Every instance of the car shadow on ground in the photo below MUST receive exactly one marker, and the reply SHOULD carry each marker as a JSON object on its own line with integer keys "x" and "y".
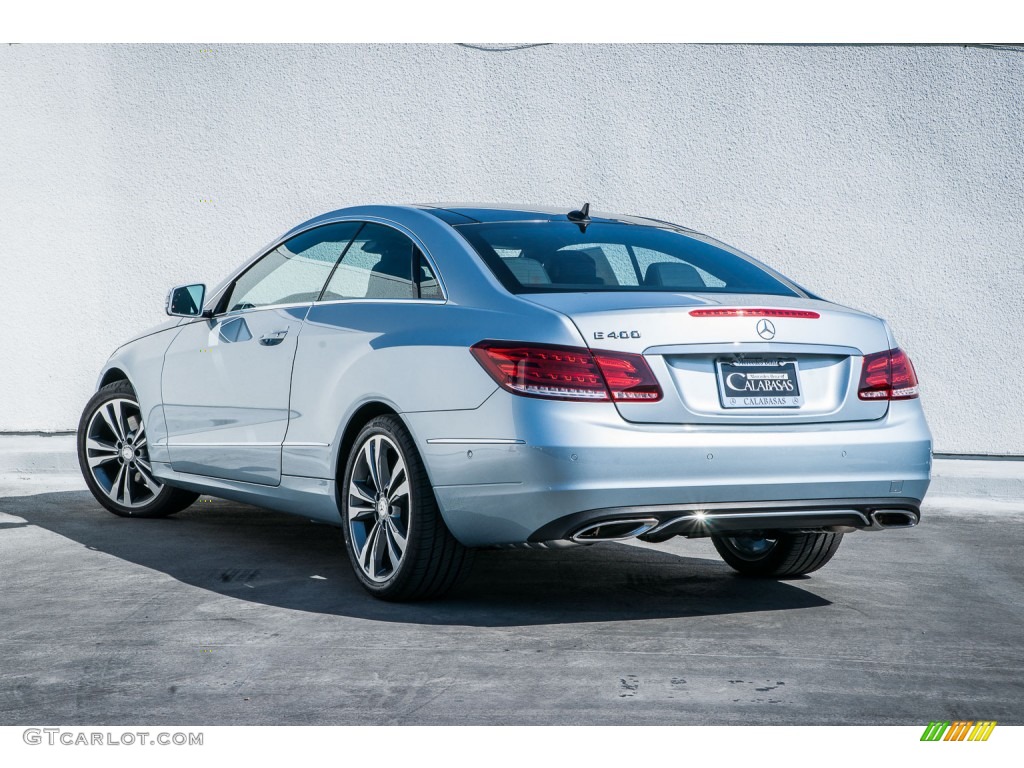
{"x": 253, "y": 554}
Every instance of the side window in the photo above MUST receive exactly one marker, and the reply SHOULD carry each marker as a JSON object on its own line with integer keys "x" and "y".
{"x": 429, "y": 287}
{"x": 377, "y": 265}
{"x": 295, "y": 271}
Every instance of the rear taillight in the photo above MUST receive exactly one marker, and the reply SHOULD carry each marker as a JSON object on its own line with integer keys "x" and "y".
{"x": 628, "y": 376}
{"x": 561, "y": 373}
{"x": 567, "y": 373}
{"x": 888, "y": 376}
{"x": 904, "y": 377}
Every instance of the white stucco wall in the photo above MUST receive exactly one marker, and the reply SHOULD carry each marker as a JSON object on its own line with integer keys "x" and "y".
{"x": 890, "y": 179}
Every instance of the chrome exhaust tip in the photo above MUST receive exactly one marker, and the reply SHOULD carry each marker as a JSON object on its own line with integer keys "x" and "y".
{"x": 614, "y": 530}
{"x": 893, "y": 518}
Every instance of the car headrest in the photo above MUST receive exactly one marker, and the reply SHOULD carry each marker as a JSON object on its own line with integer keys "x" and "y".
{"x": 394, "y": 261}
{"x": 573, "y": 267}
{"x": 669, "y": 274}
{"x": 385, "y": 243}
{"x": 527, "y": 271}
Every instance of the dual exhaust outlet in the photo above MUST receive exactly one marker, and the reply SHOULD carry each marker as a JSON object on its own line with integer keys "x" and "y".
{"x": 631, "y": 528}
{"x": 893, "y": 518}
{"x": 615, "y": 530}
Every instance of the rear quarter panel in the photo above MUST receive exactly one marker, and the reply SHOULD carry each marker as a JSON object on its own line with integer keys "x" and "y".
{"x": 410, "y": 356}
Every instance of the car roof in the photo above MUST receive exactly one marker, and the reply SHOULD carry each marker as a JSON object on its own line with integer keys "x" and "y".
{"x": 477, "y": 213}
{"x": 459, "y": 214}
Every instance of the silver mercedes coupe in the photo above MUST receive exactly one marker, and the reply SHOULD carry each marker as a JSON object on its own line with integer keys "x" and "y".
{"x": 439, "y": 378}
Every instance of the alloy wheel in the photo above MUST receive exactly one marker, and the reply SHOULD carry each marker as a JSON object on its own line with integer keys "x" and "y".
{"x": 118, "y": 455}
{"x": 379, "y": 501}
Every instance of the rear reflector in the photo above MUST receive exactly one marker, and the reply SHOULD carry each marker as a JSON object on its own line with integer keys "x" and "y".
{"x": 567, "y": 373}
{"x": 756, "y": 312}
{"x": 888, "y": 376}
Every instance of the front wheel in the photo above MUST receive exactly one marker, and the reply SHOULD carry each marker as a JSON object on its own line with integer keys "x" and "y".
{"x": 777, "y": 555}
{"x": 397, "y": 542}
{"x": 113, "y": 453}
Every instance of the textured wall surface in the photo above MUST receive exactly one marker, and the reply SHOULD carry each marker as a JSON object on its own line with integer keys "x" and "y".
{"x": 886, "y": 178}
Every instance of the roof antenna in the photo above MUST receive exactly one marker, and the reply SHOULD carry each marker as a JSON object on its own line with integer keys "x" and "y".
{"x": 581, "y": 217}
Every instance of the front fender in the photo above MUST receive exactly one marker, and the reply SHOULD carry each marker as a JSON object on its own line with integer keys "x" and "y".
{"x": 141, "y": 363}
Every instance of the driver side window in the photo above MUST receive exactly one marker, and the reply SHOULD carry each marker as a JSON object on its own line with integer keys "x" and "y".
{"x": 295, "y": 271}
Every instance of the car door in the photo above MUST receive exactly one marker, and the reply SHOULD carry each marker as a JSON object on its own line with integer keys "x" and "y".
{"x": 226, "y": 380}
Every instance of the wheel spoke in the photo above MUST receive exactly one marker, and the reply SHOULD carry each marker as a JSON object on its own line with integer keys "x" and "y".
{"x": 369, "y": 456}
{"x": 146, "y": 473}
{"x": 110, "y": 419}
{"x": 115, "y": 485}
{"x": 399, "y": 493}
{"x": 377, "y": 552}
{"x": 383, "y": 474}
{"x": 361, "y": 505}
{"x": 95, "y": 444}
{"x": 97, "y": 461}
{"x": 395, "y": 550}
{"x": 396, "y": 474}
{"x": 127, "y": 475}
{"x": 360, "y": 514}
{"x": 356, "y": 489}
{"x": 372, "y": 557}
{"x": 398, "y": 536}
{"x": 99, "y": 452}
{"x": 364, "y": 553}
{"x": 120, "y": 420}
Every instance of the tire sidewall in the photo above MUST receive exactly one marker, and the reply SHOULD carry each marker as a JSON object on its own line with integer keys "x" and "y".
{"x": 790, "y": 557}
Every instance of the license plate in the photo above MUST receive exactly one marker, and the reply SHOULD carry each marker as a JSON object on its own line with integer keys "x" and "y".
{"x": 759, "y": 384}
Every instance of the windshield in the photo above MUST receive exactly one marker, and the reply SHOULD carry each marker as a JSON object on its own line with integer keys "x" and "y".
{"x": 557, "y": 257}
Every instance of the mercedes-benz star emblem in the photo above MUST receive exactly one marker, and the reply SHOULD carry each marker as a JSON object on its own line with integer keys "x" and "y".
{"x": 765, "y": 329}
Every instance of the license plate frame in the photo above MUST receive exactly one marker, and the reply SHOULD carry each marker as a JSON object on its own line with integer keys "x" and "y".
{"x": 775, "y": 383}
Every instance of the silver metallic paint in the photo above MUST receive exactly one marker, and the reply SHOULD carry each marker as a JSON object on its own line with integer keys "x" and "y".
{"x": 503, "y": 466}
{"x": 226, "y": 401}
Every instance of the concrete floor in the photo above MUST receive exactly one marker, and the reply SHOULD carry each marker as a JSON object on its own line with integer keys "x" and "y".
{"x": 228, "y": 614}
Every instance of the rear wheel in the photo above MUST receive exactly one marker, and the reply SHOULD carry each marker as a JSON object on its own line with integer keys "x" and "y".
{"x": 777, "y": 554}
{"x": 397, "y": 542}
{"x": 113, "y": 453}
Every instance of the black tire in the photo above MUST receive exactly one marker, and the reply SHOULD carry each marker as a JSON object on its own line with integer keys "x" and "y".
{"x": 432, "y": 561}
{"x": 777, "y": 555}
{"x": 165, "y": 501}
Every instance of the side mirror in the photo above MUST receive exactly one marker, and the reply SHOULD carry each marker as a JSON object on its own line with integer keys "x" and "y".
{"x": 186, "y": 300}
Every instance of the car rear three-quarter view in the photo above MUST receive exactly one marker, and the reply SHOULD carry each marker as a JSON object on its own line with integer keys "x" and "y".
{"x": 435, "y": 379}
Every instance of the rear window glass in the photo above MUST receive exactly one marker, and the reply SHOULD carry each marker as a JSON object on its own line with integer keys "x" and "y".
{"x": 556, "y": 257}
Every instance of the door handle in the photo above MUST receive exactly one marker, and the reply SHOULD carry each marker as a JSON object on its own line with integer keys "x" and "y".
{"x": 272, "y": 338}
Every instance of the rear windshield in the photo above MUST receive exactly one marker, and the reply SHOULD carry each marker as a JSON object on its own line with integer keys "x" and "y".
{"x": 556, "y": 257}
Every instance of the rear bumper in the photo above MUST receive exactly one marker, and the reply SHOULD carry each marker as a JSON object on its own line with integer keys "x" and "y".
{"x": 515, "y": 469}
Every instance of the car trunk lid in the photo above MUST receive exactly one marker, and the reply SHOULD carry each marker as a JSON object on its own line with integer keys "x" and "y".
{"x": 720, "y": 360}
